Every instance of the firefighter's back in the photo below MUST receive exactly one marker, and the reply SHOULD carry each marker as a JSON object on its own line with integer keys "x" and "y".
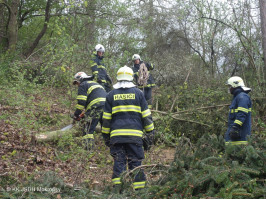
{"x": 126, "y": 105}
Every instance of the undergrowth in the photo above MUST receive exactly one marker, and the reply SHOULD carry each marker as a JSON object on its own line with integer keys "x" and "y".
{"x": 206, "y": 169}
{"x": 191, "y": 120}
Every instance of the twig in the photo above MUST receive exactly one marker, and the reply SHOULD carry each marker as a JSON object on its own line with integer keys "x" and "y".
{"x": 96, "y": 192}
{"x": 18, "y": 148}
{"x": 184, "y": 111}
{"x": 82, "y": 170}
{"x": 173, "y": 103}
{"x": 22, "y": 195}
{"x": 157, "y": 171}
{"x": 185, "y": 120}
{"x": 162, "y": 112}
{"x": 4, "y": 174}
{"x": 145, "y": 166}
{"x": 188, "y": 75}
{"x": 37, "y": 51}
{"x": 171, "y": 109}
{"x": 207, "y": 107}
{"x": 10, "y": 108}
{"x": 152, "y": 169}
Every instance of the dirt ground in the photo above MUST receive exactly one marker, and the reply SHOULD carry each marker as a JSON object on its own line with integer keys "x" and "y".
{"x": 22, "y": 157}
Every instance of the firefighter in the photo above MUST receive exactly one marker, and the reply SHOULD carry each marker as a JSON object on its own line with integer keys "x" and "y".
{"x": 126, "y": 115}
{"x": 99, "y": 70}
{"x": 147, "y": 89}
{"x": 239, "y": 119}
{"x": 91, "y": 97}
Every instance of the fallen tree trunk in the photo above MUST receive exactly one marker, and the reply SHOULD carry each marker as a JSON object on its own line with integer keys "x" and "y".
{"x": 55, "y": 135}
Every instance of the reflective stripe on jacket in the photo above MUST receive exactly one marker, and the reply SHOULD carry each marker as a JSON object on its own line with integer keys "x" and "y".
{"x": 240, "y": 115}
{"x": 98, "y": 69}
{"x": 90, "y": 95}
{"x": 126, "y": 115}
{"x": 150, "y": 82}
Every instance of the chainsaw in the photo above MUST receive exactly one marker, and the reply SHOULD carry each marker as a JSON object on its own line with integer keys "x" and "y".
{"x": 51, "y": 135}
{"x": 81, "y": 116}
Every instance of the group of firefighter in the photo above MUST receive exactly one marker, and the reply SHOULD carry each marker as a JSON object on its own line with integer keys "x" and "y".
{"x": 123, "y": 110}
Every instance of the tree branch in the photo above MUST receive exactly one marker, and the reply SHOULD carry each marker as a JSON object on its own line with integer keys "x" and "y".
{"x": 41, "y": 34}
{"x": 184, "y": 120}
{"x": 145, "y": 166}
{"x": 239, "y": 34}
{"x": 171, "y": 109}
{"x": 195, "y": 50}
{"x": 9, "y": 12}
{"x": 207, "y": 107}
{"x": 18, "y": 148}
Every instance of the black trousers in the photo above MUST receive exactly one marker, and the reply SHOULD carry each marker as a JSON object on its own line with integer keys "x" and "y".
{"x": 93, "y": 117}
{"x": 130, "y": 155}
{"x": 148, "y": 95}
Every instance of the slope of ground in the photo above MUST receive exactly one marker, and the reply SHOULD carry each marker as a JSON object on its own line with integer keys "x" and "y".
{"x": 25, "y": 161}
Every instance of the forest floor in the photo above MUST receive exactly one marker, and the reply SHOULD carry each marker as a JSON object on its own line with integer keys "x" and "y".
{"x": 64, "y": 164}
{"x": 23, "y": 158}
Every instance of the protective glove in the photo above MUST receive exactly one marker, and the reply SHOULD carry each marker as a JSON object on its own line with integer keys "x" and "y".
{"x": 148, "y": 140}
{"x": 77, "y": 118}
{"x": 234, "y": 133}
{"x": 99, "y": 80}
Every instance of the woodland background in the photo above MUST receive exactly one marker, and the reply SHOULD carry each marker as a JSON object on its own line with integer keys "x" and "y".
{"x": 195, "y": 45}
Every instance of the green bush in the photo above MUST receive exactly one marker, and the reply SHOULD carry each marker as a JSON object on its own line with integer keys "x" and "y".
{"x": 208, "y": 169}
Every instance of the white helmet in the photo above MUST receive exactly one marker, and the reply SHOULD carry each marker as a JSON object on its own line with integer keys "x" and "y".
{"x": 79, "y": 77}
{"x": 100, "y": 48}
{"x": 135, "y": 57}
{"x": 236, "y": 81}
{"x": 125, "y": 74}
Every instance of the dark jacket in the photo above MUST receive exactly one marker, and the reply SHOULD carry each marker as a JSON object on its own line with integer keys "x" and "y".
{"x": 98, "y": 69}
{"x": 125, "y": 116}
{"x": 90, "y": 95}
{"x": 150, "y": 82}
{"x": 240, "y": 115}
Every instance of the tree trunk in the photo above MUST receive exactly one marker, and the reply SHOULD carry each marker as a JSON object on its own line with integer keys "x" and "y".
{"x": 2, "y": 23}
{"x": 263, "y": 29}
{"x": 41, "y": 34}
{"x": 90, "y": 25}
{"x": 3, "y": 33}
{"x": 12, "y": 30}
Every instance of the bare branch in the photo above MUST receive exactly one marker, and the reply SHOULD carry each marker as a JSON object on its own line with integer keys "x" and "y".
{"x": 145, "y": 166}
